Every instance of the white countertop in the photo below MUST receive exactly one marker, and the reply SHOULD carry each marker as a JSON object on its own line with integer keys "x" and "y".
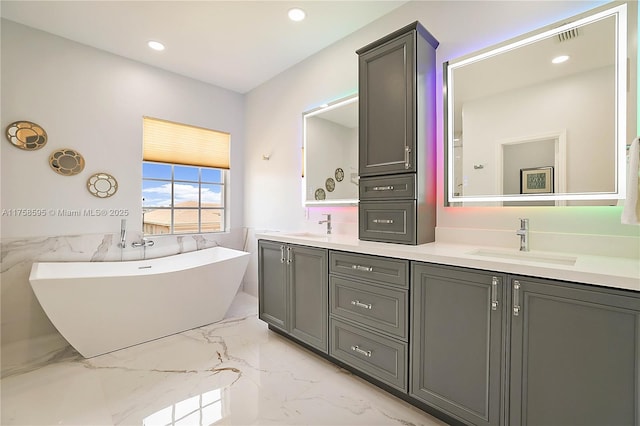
{"x": 613, "y": 272}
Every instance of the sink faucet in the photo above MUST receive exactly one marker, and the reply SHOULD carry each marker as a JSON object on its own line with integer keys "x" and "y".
{"x": 523, "y": 232}
{"x": 328, "y": 222}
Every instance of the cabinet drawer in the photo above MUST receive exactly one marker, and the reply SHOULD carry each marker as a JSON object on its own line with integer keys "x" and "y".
{"x": 388, "y": 187}
{"x": 371, "y": 268}
{"x": 383, "y": 309}
{"x": 383, "y": 358}
{"x": 387, "y": 221}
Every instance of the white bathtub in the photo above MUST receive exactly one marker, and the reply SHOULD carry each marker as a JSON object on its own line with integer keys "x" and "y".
{"x": 100, "y": 307}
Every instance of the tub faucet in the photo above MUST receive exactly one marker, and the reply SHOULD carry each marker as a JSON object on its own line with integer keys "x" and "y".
{"x": 523, "y": 232}
{"x": 327, "y": 221}
{"x": 123, "y": 233}
{"x": 144, "y": 243}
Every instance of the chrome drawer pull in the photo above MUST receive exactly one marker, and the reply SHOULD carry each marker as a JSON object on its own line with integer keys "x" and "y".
{"x": 281, "y": 254}
{"x": 362, "y": 268}
{"x": 516, "y": 298}
{"x": 382, "y": 220}
{"x": 407, "y": 152}
{"x": 289, "y": 258}
{"x": 359, "y": 304}
{"x": 361, "y": 351}
{"x": 494, "y": 293}
{"x": 383, "y": 188}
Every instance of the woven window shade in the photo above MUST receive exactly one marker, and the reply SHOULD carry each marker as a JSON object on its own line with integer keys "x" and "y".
{"x": 175, "y": 143}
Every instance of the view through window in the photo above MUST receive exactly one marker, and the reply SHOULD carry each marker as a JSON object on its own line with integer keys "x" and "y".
{"x": 182, "y": 199}
{"x": 183, "y": 178}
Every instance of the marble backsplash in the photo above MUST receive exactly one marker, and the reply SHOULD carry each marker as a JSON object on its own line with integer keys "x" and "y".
{"x": 28, "y": 337}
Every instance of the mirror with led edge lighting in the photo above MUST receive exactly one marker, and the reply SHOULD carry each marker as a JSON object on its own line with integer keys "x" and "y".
{"x": 522, "y": 130}
{"x": 330, "y": 169}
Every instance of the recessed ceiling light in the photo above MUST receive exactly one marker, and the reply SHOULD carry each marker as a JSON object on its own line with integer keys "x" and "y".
{"x": 296, "y": 14}
{"x": 560, "y": 59}
{"x": 156, "y": 45}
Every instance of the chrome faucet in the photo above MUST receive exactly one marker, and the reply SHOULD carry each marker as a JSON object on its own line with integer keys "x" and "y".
{"x": 123, "y": 233}
{"x": 328, "y": 222}
{"x": 144, "y": 243}
{"x": 523, "y": 232}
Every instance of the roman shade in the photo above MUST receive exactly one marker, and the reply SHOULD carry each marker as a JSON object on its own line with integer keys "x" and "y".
{"x": 175, "y": 143}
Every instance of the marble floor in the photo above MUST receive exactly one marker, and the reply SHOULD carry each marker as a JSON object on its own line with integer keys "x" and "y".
{"x": 235, "y": 372}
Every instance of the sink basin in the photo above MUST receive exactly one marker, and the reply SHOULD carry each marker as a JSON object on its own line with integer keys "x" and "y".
{"x": 308, "y": 235}
{"x": 526, "y": 256}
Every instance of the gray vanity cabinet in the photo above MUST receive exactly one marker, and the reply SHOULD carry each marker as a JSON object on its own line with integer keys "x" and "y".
{"x": 494, "y": 349}
{"x": 481, "y": 347}
{"x": 457, "y": 341}
{"x": 397, "y": 124}
{"x": 293, "y": 284}
{"x": 575, "y": 355}
{"x": 368, "y": 321}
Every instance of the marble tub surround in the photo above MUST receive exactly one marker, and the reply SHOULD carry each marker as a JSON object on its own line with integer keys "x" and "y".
{"x": 236, "y": 372}
{"x": 28, "y": 337}
{"x": 608, "y": 271}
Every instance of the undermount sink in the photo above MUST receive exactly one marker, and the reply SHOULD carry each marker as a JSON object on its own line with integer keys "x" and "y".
{"x": 527, "y": 256}
{"x": 308, "y": 235}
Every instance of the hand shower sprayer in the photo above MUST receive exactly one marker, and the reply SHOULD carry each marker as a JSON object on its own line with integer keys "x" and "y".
{"x": 123, "y": 233}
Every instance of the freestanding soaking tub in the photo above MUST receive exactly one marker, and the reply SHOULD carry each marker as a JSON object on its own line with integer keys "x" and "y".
{"x": 103, "y": 306}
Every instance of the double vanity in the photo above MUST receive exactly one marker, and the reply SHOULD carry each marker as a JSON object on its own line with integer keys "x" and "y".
{"x": 474, "y": 335}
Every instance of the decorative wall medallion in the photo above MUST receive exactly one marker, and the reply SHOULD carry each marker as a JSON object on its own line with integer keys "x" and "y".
{"x": 26, "y": 135}
{"x": 330, "y": 184}
{"x": 67, "y": 162}
{"x": 339, "y": 174}
{"x": 102, "y": 185}
{"x": 320, "y": 194}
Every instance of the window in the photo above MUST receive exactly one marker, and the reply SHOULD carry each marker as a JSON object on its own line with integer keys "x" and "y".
{"x": 183, "y": 178}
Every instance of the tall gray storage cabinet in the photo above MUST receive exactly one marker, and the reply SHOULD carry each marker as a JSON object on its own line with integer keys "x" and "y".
{"x": 397, "y": 137}
{"x": 293, "y": 291}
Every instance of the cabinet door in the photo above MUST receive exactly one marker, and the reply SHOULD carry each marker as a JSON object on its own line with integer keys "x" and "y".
{"x": 387, "y": 108}
{"x": 272, "y": 283}
{"x": 309, "y": 283}
{"x": 457, "y": 341}
{"x": 575, "y": 355}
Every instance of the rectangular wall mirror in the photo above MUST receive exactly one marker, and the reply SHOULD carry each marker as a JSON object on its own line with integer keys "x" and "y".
{"x": 330, "y": 134}
{"x": 542, "y": 119}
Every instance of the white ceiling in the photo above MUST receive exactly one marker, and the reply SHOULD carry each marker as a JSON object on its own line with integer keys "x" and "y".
{"x": 232, "y": 44}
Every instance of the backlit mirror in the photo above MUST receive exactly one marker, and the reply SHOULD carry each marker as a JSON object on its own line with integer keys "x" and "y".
{"x": 542, "y": 119}
{"x": 330, "y": 171}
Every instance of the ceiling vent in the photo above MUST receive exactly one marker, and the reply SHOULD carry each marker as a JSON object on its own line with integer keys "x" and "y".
{"x": 568, "y": 35}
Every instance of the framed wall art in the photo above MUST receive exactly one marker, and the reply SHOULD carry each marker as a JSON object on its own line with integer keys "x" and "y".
{"x": 536, "y": 180}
